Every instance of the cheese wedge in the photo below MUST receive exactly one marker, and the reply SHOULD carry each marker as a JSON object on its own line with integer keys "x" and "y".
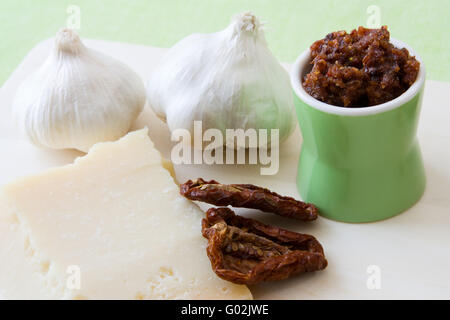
{"x": 112, "y": 225}
{"x": 17, "y": 277}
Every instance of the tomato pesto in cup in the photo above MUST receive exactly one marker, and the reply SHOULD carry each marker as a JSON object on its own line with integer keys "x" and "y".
{"x": 359, "y": 69}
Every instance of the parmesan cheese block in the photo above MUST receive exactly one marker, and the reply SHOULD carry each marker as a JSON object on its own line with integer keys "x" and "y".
{"x": 112, "y": 225}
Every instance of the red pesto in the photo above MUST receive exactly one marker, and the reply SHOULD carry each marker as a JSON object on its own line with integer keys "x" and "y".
{"x": 359, "y": 69}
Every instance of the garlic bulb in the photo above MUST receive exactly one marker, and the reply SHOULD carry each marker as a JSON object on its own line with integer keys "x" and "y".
{"x": 227, "y": 80}
{"x": 78, "y": 97}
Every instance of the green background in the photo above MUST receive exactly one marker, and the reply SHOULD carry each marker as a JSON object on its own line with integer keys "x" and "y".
{"x": 292, "y": 25}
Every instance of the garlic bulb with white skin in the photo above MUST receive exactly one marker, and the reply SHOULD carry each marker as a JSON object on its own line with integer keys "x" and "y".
{"x": 78, "y": 97}
{"x": 227, "y": 80}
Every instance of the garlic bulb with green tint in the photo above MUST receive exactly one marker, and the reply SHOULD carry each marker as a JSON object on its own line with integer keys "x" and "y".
{"x": 227, "y": 80}
{"x": 78, "y": 97}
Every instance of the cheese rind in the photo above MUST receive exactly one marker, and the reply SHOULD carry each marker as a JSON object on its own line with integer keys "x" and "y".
{"x": 113, "y": 223}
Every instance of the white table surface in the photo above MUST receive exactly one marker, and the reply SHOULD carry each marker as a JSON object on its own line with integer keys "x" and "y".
{"x": 411, "y": 250}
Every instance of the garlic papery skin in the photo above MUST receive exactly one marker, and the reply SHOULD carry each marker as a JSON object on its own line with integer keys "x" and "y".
{"x": 227, "y": 80}
{"x": 78, "y": 97}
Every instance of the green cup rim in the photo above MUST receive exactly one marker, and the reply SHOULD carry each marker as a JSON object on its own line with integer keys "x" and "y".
{"x": 302, "y": 62}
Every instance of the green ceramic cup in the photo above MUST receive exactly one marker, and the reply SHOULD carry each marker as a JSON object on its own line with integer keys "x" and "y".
{"x": 359, "y": 164}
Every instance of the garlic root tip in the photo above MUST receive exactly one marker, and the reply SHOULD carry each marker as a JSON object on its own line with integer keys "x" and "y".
{"x": 247, "y": 21}
{"x": 67, "y": 40}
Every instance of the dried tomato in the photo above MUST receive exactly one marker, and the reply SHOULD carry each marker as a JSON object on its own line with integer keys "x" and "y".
{"x": 246, "y": 251}
{"x": 247, "y": 196}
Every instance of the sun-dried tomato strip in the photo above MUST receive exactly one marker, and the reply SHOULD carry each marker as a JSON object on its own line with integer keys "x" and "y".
{"x": 246, "y": 251}
{"x": 247, "y": 196}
